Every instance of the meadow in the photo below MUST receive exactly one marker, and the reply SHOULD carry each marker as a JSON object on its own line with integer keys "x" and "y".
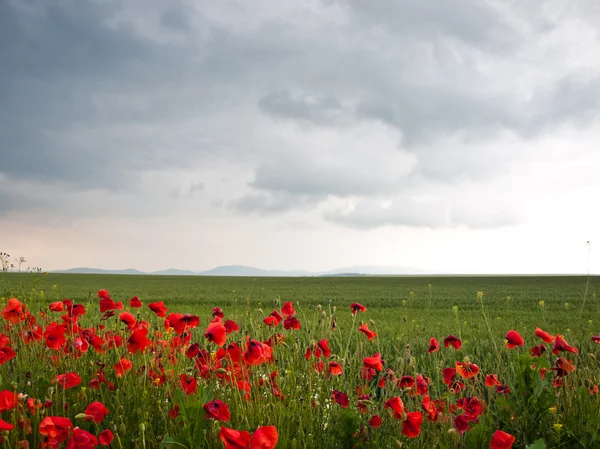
{"x": 317, "y": 381}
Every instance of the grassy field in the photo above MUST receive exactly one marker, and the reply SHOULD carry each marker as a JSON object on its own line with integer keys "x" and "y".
{"x": 405, "y": 312}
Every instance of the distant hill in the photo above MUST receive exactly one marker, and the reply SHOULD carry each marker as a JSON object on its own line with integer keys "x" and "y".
{"x": 243, "y": 270}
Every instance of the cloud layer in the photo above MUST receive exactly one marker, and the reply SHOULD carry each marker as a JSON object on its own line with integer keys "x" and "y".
{"x": 355, "y": 114}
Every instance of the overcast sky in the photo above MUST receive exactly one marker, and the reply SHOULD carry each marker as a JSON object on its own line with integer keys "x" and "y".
{"x": 447, "y": 135}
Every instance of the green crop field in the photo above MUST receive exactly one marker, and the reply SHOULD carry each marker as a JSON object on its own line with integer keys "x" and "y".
{"x": 537, "y": 400}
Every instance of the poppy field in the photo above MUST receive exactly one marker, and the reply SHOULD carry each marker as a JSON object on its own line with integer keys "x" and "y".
{"x": 92, "y": 361}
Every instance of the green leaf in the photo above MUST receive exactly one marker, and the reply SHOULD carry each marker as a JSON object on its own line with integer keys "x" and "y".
{"x": 537, "y": 444}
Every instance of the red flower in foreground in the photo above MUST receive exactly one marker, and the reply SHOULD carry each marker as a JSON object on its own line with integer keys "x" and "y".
{"x": 234, "y": 439}
{"x": 291, "y": 322}
{"x": 128, "y": 319}
{"x": 158, "y": 308}
{"x": 375, "y": 421}
{"x": 537, "y": 351}
{"x": 340, "y": 398}
{"x": 491, "y": 380}
{"x": 466, "y": 369}
{"x": 356, "y": 307}
{"x": 596, "y": 338}
{"x": 545, "y": 336}
{"x": 265, "y": 437}
{"x": 57, "y": 306}
{"x": 216, "y": 333}
{"x": 81, "y": 439}
{"x": 5, "y": 426}
{"x": 122, "y": 366}
{"x": 138, "y": 341}
{"x": 8, "y": 400}
{"x": 373, "y": 362}
{"x": 396, "y": 405}
{"x": 56, "y": 428}
{"x": 188, "y": 384}
{"x": 96, "y": 412}
{"x": 13, "y": 312}
{"x": 501, "y": 440}
{"x": 560, "y": 344}
{"x": 364, "y": 328}
{"x": 513, "y": 339}
{"x": 231, "y": 326}
{"x": 433, "y": 345}
{"x": 453, "y": 341}
{"x": 217, "y": 410}
{"x": 105, "y": 437}
{"x": 335, "y": 369}
{"x": 288, "y": 309}
{"x": 68, "y": 380}
{"x": 411, "y": 426}
{"x": 135, "y": 303}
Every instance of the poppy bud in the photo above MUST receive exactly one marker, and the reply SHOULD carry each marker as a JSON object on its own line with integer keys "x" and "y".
{"x": 220, "y": 371}
{"x": 81, "y": 416}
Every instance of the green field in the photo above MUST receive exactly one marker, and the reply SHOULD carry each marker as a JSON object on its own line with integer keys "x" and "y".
{"x": 405, "y": 312}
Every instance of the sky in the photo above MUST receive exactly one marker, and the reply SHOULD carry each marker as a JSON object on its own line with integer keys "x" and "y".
{"x": 454, "y": 136}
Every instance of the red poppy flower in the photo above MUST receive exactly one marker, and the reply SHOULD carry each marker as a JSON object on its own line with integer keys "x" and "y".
{"x": 216, "y": 333}
{"x": 537, "y": 351}
{"x": 453, "y": 341}
{"x": 158, "y": 308}
{"x": 430, "y": 408}
{"x": 105, "y": 437}
{"x": 491, "y": 380}
{"x": 433, "y": 345}
{"x": 234, "y": 439}
{"x": 545, "y": 336}
{"x": 503, "y": 389}
{"x": 376, "y": 422}
{"x": 33, "y": 334}
{"x": 107, "y": 304}
{"x": 81, "y": 439}
{"x": 271, "y": 321}
{"x": 422, "y": 384}
{"x": 373, "y": 362}
{"x": 122, "y": 366}
{"x": 217, "y": 410}
{"x": 55, "y": 336}
{"x": 174, "y": 413}
{"x": 501, "y": 440}
{"x": 13, "y": 312}
{"x": 335, "y": 369}
{"x": 231, "y": 326}
{"x": 138, "y": 341}
{"x": 188, "y": 384}
{"x": 57, "y": 306}
{"x": 56, "y": 428}
{"x": 461, "y": 423}
{"x": 96, "y": 412}
{"x": 563, "y": 367}
{"x": 257, "y": 352}
{"x": 411, "y": 426}
{"x": 324, "y": 346}
{"x": 340, "y": 398}
{"x": 560, "y": 344}
{"x": 406, "y": 382}
{"x": 291, "y": 322}
{"x": 356, "y": 307}
{"x": 466, "y": 369}
{"x": 596, "y": 338}
{"x": 364, "y": 328}
{"x": 288, "y": 309}
{"x": 68, "y": 380}
{"x": 396, "y": 405}
{"x": 513, "y": 339}
{"x": 265, "y": 437}
{"x": 8, "y": 400}
{"x": 128, "y": 319}
{"x": 135, "y": 303}
{"x": 5, "y": 426}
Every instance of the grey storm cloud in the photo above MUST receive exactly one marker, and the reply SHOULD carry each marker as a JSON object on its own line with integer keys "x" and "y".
{"x": 95, "y": 94}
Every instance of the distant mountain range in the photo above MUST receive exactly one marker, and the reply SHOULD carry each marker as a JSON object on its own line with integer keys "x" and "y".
{"x": 241, "y": 270}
